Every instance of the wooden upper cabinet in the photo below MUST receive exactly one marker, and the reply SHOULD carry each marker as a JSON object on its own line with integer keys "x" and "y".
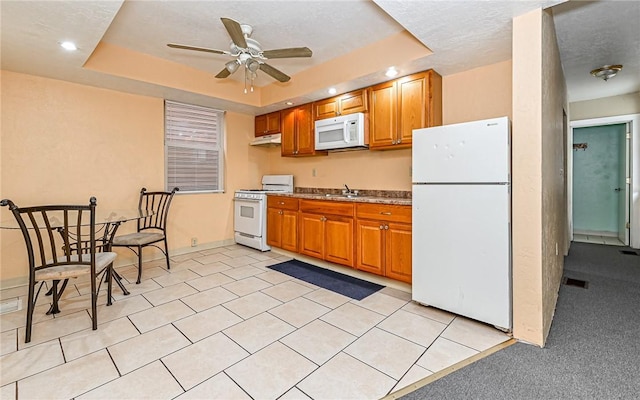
{"x": 402, "y": 105}
{"x": 268, "y": 124}
{"x": 298, "y": 137}
{"x": 347, "y": 103}
{"x": 383, "y": 115}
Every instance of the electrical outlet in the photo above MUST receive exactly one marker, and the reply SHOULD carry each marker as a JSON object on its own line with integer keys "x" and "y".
{"x": 194, "y": 242}
{"x": 313, "y": 172}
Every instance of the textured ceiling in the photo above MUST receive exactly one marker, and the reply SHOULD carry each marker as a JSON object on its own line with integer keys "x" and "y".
{"x": 592, "y": 34}
{"x": 461, "y": 34}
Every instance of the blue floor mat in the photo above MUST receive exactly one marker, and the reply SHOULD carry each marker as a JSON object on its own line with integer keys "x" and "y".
{"x": 346, "y": 285}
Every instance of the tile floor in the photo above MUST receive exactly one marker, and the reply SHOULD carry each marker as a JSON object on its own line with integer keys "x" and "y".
{"x": 597, "y": 239}
{"x": 221, "y": 325}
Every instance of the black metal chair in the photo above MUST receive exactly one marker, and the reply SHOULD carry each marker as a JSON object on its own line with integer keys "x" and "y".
{"x": 61, "y": 244}
{"x": 151, "y": 229}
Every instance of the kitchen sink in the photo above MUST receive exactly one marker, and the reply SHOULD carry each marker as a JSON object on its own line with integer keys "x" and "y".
{"x": 345, "y": 196}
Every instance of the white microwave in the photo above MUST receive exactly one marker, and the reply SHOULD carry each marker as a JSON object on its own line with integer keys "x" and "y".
{"x": 340, "y": 132}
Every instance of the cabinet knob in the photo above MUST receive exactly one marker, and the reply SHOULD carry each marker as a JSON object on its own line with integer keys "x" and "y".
{"x": 393, "y": 142}
{"x": 381, "y": 227}
{"x": 386, "y": 227}
{"x": 280, "y": 212}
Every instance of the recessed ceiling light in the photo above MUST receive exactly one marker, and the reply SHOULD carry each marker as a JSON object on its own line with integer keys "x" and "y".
{"x": 332, "y": 90}
{"x": 289, "y": 103}
{"x": 391, "y": 72}
{"x": 70, "y": 46}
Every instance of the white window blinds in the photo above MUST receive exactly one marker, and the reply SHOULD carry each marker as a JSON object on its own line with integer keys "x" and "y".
{"x": 193, "y": 147}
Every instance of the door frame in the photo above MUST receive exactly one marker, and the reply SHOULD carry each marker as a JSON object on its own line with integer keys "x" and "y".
{"x": 633, "y": 158}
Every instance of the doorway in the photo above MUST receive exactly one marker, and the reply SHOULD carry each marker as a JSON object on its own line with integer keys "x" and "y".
{"x": 600, "y": 189}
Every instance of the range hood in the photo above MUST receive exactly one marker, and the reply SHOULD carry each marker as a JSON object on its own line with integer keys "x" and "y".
{"x": 267, "y": 140}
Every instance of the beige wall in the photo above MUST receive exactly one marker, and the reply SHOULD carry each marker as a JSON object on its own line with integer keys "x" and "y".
{"x": 554, "y": 200}
{"x": 64, "y": 142}
{"x": 479, "y": 93}
{"x": 539, "y": 210}
{"x": 606, "y": 107}
{"x": 464, "y": 98}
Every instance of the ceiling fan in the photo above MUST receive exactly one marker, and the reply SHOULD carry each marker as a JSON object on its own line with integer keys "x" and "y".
{"x": 248, "y": 53}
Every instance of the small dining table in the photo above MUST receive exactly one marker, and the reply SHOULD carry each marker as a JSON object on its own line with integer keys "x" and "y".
{"x": 107, "y": 223}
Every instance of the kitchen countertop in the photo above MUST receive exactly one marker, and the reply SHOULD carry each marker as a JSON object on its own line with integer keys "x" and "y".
{"x": 402, "y": 198}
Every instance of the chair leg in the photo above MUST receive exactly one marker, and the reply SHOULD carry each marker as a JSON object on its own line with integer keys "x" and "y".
{"x": 139, "y": 265}
{"x": 30, "y": 307}
{"x": 109, "y": 275}
{"x": 94, "y": 300}
{"x": 55, "y": 309}
{"x": 57, "y": 294}
{"x": 166, "y": 252}
{"x": 118, "y": 279}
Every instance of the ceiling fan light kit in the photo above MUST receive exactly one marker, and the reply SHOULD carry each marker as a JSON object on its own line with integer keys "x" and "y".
{"x": 606, "y": 72}
{"x": 249, "y": 54}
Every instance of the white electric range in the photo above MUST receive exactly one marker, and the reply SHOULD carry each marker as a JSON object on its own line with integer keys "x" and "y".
{"x": 250, "y": 211}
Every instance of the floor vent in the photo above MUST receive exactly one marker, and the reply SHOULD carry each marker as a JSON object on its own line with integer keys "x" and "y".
{"x": 630, "y": 252}
{"x": 10, "y": 305}
{"x": 575, "y": 282}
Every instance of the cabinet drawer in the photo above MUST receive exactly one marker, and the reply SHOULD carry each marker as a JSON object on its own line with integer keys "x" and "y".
{"x": 285, "y": 203}
{"x": 384, "y": 212}
{"x": 327, "y": 207}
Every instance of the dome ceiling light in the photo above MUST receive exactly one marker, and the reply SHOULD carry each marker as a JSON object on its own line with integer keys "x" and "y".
{"x": 606, "y": 72}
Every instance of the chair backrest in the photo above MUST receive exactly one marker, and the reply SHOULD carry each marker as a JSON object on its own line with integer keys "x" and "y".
{"x": 54, "y": 233}
{"x": 159, "y": 203}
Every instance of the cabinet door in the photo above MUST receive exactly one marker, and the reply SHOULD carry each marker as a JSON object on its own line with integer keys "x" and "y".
{"x": 338, "y": 242}
{"x": 353, "y": 102}
{"x": 327, "y": 108}
{"x": 274, "y": 227}
{"x": 398, "y": 252}
{"x": 382, "y": 115}
{"x": 413, "y": 102}
{"x": 306, "y": 143}
{"x": 289, "y": 230}
{"x": 369, "y": 246}
{"x": 273, "y": 123}
{"x": 260, "y": 125}
{"x": 288, "y": 137}
{"x": 311, "y": 228}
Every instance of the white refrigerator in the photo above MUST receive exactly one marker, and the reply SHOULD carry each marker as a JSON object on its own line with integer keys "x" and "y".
{"x": 462, "y": 219}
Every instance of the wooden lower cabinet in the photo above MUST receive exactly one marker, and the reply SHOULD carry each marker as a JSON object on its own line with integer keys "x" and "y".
{"x": 398, "y": 252}
{"x": 383, "y": 244}
{"x": 327, "y": 231}
{"x": 370, "y": 239}
{"x": 327, "y": 237}
{"x": 282, "y": 223}
{"x": 374, "y": 238}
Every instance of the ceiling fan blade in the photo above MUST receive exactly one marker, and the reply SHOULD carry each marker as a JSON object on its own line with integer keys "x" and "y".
{"x": 281, "y": 76}
{"x": 235, "y": 31}
{"x": 184, "y": 47}
{"x": 224, "y": 73}
{"x": 288, "y": 53}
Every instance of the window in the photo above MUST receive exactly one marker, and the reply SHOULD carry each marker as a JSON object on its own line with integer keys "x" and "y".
{"x": 193, "y": 147}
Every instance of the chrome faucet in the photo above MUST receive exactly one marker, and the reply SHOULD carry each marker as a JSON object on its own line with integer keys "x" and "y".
{"x": 349, "y": 192}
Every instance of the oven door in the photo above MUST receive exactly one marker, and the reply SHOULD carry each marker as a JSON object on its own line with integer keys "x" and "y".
{"x": 249, "y": 216}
